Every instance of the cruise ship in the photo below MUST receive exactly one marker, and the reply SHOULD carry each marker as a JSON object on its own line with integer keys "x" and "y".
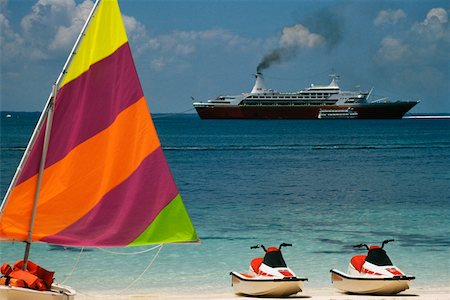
{"x": 314, "y": 102}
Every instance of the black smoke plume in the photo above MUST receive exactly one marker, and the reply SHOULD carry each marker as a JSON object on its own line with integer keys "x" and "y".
{"x": 324, "y": 28}
{"x": 275, "y": 57}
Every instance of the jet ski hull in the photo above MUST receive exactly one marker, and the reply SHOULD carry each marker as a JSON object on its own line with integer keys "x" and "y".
{"x": 370, "y": 284}
{"x": 246, "y": 284}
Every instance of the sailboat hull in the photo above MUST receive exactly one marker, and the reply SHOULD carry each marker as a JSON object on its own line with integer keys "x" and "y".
{"x": 58, "y": 292}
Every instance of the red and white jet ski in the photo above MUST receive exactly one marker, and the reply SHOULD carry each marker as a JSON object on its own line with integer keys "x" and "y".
{"x": 373, "y": 273}
{"x": 268, "y": 276}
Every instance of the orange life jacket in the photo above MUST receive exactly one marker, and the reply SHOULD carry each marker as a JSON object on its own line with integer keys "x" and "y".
{"x": 35, "y": 277}
{"x": 6, "y": 280}
{"x": 6, "y": 269}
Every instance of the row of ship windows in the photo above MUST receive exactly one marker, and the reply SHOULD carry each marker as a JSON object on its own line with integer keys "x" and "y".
{"x": 287, "y": 103}
{"x": 306, "y": 96}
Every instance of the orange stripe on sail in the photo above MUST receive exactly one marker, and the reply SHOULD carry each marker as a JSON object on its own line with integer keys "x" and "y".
{"x": 74, "y": 185}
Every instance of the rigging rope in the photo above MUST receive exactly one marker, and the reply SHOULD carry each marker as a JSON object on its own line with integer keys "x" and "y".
{"x": 168, "y": 115}
{"x": 74, "y": 266}
{"x": 143, "y": 272}
{"x": 107, "y": 251}
{"x": 127, "y": 253}
{"x": 137, "y": 278}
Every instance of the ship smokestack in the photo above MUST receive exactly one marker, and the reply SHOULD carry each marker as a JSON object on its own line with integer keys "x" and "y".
{"x": 259, "y": 86}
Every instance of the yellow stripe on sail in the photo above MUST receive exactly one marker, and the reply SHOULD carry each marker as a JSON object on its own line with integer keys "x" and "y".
{"x": 104, "y": 35}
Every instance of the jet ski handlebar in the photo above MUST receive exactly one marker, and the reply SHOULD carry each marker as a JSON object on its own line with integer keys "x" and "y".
{"x": 385, "y": 242}
{"x": 361, "y": 245}
{"x": 258, "y": 246}
{"x": 265, "y": 250}
{"x": 367, "y": 247}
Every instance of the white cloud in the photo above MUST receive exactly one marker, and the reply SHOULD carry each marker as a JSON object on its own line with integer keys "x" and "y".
{"x": 187, "y": 42}
{"x": 158, "y": 64}
{"x": 436, "y": 15}
{"x": 175, "y": 48}
{"x": 424, "y": 39}
{"x": 52, "y": 26}
{"x": 389, "y": 16}
{"x": 66, "y": 34}
{"x": 132, "y": 25}
{"x": 136, "y": 32}
{"x": 10, "y": 41}
{"x": 3, "y": 5}
{"x": 48, "y": 15}
{"x": 392, "y": 50}
{"x": 434, "y": 28}
{"x": 300, "y": 36}
{"x": 51, "y": 29}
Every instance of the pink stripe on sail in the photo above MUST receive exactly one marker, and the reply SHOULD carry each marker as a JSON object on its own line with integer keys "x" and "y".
{"x": 88, "y": 105}
{"x": 126, "y": 211}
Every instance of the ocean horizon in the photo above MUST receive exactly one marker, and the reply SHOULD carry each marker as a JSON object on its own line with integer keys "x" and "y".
{"x": 321, "y": 185}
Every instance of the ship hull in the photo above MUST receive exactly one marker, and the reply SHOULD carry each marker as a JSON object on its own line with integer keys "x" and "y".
{"x": 389, "y": 110}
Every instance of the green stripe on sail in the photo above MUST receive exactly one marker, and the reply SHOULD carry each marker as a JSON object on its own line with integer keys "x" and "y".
{"x": 170, "y": 226}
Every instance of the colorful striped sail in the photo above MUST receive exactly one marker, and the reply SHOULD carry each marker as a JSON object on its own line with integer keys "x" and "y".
{"x": 105, "y": 181}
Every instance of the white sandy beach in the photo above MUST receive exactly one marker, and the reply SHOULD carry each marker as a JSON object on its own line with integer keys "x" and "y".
{"x": 437, "y": 293}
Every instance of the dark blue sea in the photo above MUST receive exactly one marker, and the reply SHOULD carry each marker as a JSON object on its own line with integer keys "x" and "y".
{"x": 322, "y": 185}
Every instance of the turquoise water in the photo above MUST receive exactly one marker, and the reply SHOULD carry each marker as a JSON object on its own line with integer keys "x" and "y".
{"x": 320, "y": 185}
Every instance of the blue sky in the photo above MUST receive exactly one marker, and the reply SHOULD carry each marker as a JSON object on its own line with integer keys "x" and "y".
{"x": 205, "y": 48}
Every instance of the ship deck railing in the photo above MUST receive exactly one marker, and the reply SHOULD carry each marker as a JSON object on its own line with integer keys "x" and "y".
{"x": 291, "y": 103}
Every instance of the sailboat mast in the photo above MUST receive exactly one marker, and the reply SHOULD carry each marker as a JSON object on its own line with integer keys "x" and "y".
{"x": 48, "y": 112}
{"x": 48, "y": 129}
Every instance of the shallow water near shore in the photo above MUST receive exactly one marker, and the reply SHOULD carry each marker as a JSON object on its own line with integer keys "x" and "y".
{"x": 321, "y": 185}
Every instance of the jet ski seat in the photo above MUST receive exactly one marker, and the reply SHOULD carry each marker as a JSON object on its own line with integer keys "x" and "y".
{"x": 357, "y": 261}
{"x": 256, "y": 263}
